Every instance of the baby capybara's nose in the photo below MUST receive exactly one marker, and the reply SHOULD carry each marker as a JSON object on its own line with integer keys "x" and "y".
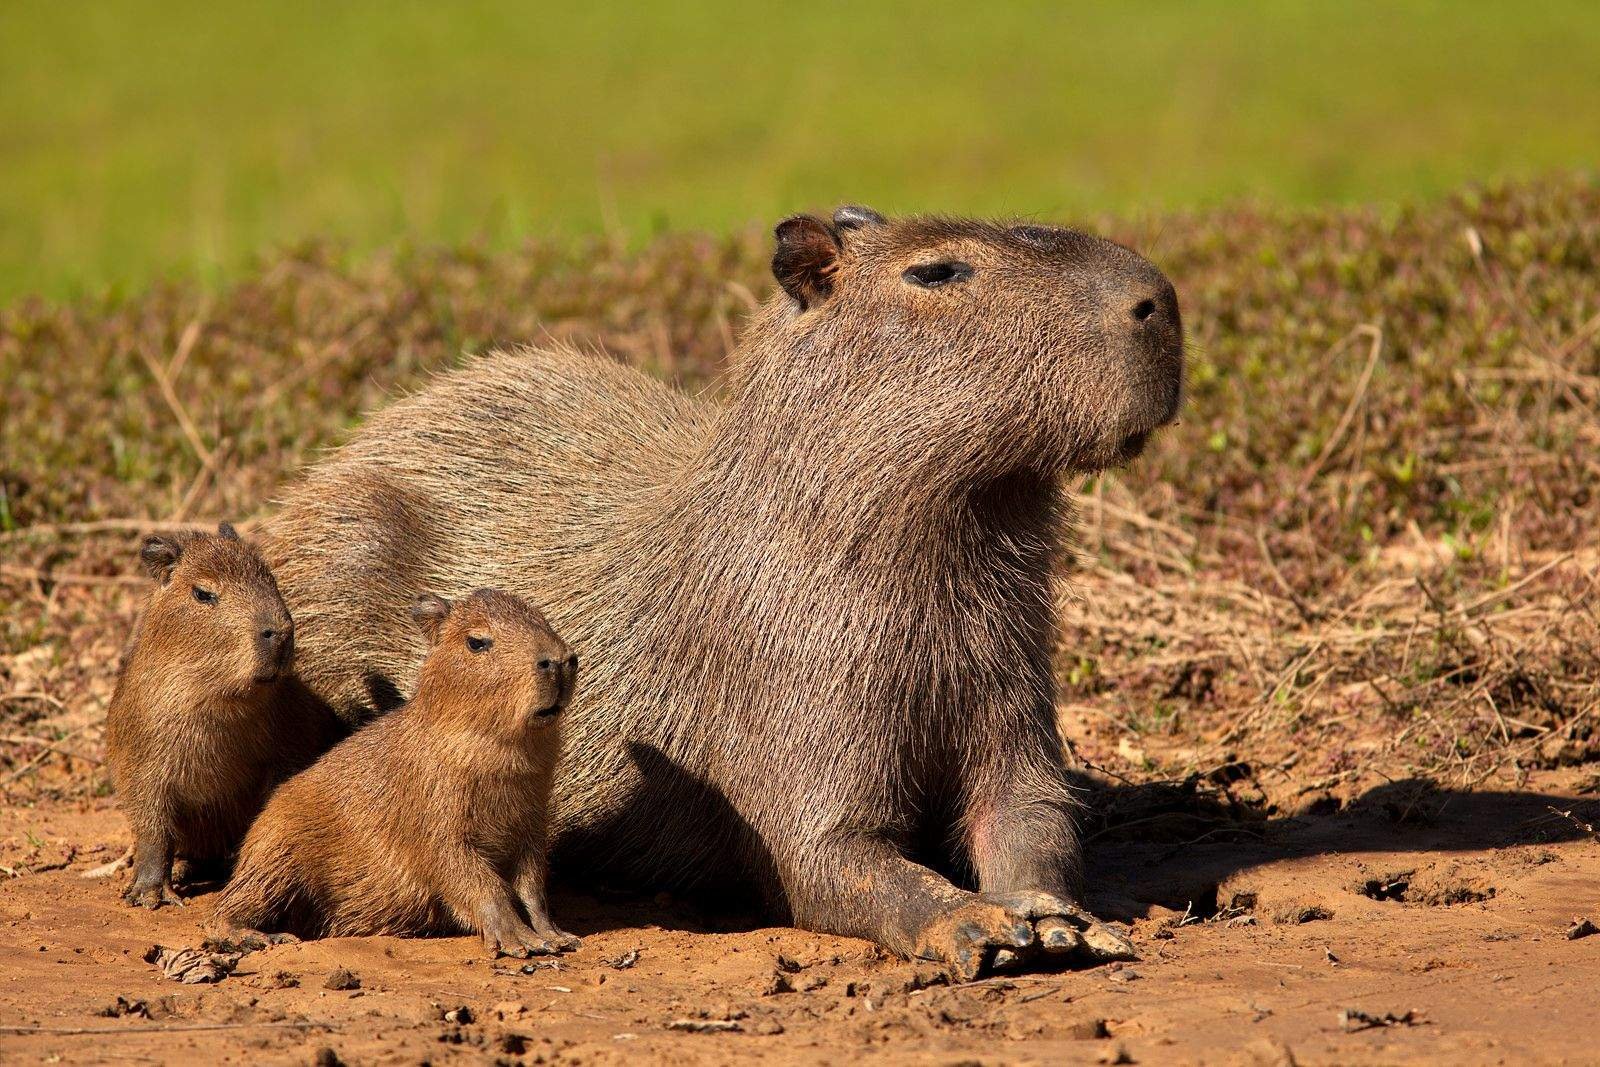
{"x": 275, "y": 639}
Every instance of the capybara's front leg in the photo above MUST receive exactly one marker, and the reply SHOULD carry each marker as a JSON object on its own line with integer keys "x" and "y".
{"x": 859, "y": 884}
{"x": 1023, "y": 844}
{"x": 481, "y": 900}
{"x": 530, "y": 881}
{"x": 152, "y": 869}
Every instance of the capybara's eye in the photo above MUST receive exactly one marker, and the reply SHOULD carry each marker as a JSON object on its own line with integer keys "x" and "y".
{"x": 205, "y": 596}
{"x": 933, "y": 275}
{"x": 479, "y": 644}
{"x": 572, "y": 661}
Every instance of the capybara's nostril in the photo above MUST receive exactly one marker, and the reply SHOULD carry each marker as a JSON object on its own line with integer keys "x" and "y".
{"x": 1143, "y": 309}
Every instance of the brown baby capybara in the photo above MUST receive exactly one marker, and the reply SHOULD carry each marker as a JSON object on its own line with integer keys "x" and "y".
{"x": 820, "y": 613}
{"x": 431, "y": 819}
{"x": 207, "y": 715}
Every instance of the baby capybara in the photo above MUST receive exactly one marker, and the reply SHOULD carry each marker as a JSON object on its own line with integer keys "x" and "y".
{"x": 207, "y": 715}
{"x": 431, "y": 819}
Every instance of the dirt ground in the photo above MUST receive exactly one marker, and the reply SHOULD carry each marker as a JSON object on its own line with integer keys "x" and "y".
{"x": 1408, "y": 925}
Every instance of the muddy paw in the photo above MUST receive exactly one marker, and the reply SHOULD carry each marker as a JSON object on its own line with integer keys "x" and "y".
{"x": 151, "y": 895}
{"x": 1063, "y": 930}
{"x": 970, "y": 938}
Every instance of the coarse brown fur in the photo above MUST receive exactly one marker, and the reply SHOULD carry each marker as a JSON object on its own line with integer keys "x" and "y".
{"x": 433, "y": 818}
{"x": 207, "y": 715}
{"x": 820, "y": 616}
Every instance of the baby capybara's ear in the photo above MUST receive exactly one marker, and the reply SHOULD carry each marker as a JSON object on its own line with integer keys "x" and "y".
{"x": 429, "y": 612}
{"x": 158, "y": 555}
{"x": 806, "y": 258}
{"x": 856, "y": 217}
{"x": 226, "y": 531}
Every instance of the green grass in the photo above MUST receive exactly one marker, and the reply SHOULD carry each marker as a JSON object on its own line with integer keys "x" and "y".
{"x": 159, "y": 140}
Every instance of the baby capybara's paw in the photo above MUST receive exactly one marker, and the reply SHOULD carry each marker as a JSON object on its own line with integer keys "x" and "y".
{"x": 563, "y": 941}
{"x": 151, "y": 894}
{"x": 517, "y": 941}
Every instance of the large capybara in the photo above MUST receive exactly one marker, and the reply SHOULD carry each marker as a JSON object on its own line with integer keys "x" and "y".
{"x": 819, "y": 616}
{"x": 433, "y": 818}
{"x": 207, "y": 715}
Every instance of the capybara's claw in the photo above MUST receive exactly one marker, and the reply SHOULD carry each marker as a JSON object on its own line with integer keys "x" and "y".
{"x": 1057, "y": 937}
{"x": 1066, "y": 930}
{"x": 564, "y": 941}
{"x": 973, "y": 937}
{"x": 1105, "y": 943}
{"x": 151, "y": 895}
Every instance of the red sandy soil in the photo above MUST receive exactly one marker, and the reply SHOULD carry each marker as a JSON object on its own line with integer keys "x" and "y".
{"x": 1448, "y": 916}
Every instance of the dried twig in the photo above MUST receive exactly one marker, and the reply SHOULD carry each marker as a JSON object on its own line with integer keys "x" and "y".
{"x": 179, "y": 412}
{"x": 1360, "y": 394}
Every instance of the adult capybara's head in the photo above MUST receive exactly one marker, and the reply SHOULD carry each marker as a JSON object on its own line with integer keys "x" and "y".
{"x": 493, "y": 657}
{"x": 215, "y": 616}
{"x": 1001, "y": 346}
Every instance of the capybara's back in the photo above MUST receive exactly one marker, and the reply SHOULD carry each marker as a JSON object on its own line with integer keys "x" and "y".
{"x": 819, "y": 616}
{"x": 541, "y": 450}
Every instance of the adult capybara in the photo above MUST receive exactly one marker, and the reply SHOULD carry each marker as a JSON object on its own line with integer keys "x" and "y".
{"x": 819, "y": 616}
{"x": 432, "y": 819}
{"x": 207, "y": 715}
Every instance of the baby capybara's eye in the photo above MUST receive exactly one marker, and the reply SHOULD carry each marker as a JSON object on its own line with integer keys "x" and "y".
{"x": 205, "y": 596}
{"x": 478, "y": 644}
{"x": 933, "y": 275}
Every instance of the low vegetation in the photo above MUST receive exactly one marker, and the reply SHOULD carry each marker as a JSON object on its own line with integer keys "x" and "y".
{"x": 1367, "y": 550}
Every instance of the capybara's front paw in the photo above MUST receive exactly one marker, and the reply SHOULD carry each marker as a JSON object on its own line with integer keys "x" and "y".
{"x": 1063, "y": 930}
{"x": 968, "y": 938}
{"x": 151, "y": 894}
{"x": 563, "y": 941}
{"x": 519, "y": 943}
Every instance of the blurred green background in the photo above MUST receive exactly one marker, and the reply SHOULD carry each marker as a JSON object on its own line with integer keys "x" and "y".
{"x": 174, "y": 139}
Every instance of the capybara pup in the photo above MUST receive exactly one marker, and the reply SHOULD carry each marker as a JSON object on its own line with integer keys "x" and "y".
{"x": 431, "y": 819}
{"x": 207, "y": 715}
{"x": 821, "y": 610}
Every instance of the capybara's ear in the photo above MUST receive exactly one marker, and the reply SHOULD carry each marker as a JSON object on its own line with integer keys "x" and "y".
{"x": 429, "y": 612}
{"x": 226, "y": 531}
{"x": 158, "y": 555}
{"x": 856, "y": 217}
{"x": 807, "y": 256}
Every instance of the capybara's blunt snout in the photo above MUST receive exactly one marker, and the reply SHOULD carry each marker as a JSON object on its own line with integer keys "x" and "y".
{"x": 559, "y": 673}
{"x": 1141, "y": 317}
{"x": 274, "y": 640}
